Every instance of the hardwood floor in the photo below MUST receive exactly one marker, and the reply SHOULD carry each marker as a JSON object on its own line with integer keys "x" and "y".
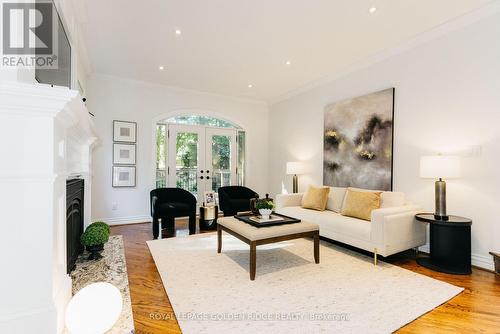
{"x": 476, "y": 310}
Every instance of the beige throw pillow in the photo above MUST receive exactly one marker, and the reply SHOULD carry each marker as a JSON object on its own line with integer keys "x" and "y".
{"x": 388, "y": 199}
{"x": 360, "y": 204}
{"x": 315, "y": 198}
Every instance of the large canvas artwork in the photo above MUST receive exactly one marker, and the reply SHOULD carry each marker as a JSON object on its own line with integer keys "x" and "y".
{"x": 358, "y": 142}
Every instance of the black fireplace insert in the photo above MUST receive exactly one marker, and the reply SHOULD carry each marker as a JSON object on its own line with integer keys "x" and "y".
{"x": 74, "y": 220}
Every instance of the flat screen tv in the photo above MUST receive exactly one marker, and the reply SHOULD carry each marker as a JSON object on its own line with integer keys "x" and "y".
{"x": 62, "y": 75}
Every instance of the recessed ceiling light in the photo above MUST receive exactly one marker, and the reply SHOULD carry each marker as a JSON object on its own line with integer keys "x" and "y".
{"x": 250, "y": 86}
{"x": 161, "y": 68}
{"x": 372, "y": 9}
{"x": 178, "y": 31}
{"x": 288, "y": 62}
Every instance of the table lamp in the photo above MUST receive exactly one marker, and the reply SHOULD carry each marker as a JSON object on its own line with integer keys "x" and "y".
{"x": 295, "y": 168}
{"x": 439, "y": 167}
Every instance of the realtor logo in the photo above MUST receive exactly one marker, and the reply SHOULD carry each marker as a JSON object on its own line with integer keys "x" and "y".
{"x": 29, "y": 35}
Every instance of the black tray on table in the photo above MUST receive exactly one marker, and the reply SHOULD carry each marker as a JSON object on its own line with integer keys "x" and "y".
{"x": 286, "y": 220}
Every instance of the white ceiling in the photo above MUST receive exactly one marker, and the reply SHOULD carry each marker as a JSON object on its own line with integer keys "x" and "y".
{"x": 226, "y": 45}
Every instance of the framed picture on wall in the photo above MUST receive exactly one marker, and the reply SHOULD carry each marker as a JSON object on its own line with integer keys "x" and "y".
{"x": 124, "y": 154}
{"x": 209, "y": 198}
{"x": 124, "y": 131}
{"x": 123, "y": 176}
{"x": 358, "y": 141}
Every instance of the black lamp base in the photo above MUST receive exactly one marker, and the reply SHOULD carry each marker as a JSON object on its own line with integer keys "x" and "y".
{"x": 438, "y": 217}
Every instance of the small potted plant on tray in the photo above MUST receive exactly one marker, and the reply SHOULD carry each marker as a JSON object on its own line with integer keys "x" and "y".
{"x": 94, "y": 238}
{"x": 265, "y": 207}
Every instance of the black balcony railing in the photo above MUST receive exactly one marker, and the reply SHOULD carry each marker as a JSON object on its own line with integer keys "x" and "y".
{"x": 161, "y": 178}
{"x": 187, "y": 179}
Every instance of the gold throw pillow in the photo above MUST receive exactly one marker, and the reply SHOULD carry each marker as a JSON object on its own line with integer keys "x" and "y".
{"x": 360, "y": 204}
{"x": 316, "y": 198}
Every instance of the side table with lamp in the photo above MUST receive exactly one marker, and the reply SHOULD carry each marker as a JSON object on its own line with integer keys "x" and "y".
{"x": 450, "y": 236}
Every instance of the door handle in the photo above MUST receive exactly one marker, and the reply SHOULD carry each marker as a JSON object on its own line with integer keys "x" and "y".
{"x": 201, "y": 177}
{"x": 208, "y": 177}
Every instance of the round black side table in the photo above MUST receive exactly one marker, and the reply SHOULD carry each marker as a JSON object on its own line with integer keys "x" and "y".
{"x": 449, "y": 244}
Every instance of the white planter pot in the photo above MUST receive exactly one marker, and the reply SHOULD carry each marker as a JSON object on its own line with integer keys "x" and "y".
{"x": 265, "y": 213}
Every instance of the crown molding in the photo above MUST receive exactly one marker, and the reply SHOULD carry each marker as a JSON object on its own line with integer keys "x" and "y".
{"x": 422, "y": 38}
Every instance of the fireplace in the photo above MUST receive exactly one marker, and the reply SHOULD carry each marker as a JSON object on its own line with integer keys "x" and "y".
{"x": 74, "y": 220}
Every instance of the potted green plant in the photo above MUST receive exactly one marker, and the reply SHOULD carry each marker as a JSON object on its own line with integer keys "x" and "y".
{"x": 265, "y": 207}
{"x": 94, "y": 238}
{"x": 100, "y": 224}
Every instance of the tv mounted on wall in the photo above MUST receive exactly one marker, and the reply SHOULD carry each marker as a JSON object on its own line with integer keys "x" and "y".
{"x": 62, "y": 75}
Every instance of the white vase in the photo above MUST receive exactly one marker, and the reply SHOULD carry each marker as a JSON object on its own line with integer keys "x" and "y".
{"x": 265, "y": 213}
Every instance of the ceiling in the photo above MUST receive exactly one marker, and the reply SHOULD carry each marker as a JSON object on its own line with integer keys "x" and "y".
{"x": 227, "y": 45}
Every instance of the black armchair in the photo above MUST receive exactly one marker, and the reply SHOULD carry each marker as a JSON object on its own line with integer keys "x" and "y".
{"x": 169, "y": 203}
{"x": 234, "y": 199}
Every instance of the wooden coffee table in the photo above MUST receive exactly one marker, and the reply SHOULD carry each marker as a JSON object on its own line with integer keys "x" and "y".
{"x": 255, "y": 236}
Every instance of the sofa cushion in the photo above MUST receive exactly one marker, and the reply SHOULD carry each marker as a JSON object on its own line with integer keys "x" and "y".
{"x": 331, "y": 224}
{"x": 315, "y": 198}
{"x": 360, "y": 204}
{"x": 388, "y": 199}
{"x": 336, "y": 199}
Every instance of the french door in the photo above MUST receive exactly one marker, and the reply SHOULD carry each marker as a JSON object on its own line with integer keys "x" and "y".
{"x": 201, "y": 158}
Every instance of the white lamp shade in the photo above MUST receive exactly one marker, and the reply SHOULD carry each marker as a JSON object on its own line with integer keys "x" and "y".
{"x": 440, "y": 166}
{"x": 94, "y": 309}
{"x": 296, "y": 167}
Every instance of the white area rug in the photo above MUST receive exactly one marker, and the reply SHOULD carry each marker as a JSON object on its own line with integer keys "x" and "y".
{"x": 345, "y": 293}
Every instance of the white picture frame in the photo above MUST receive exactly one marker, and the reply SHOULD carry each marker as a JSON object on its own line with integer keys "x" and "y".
{"x": 124, "y": 176}
{"x": 209, "y": 198}
{"x": 124, "y": 154}
{"x": 125, "y": 132}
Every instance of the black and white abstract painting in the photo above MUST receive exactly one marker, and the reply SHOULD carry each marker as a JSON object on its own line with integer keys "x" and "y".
{"x": 358, "y": 142}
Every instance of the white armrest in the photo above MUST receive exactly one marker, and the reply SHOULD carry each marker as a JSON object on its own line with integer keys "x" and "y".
{"x": 379, "y": 214}
{"x": 284, "y": 200}
{"x": 396, "y": 229}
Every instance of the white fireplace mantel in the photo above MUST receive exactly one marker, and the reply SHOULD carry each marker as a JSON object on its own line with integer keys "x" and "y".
{"x": 46, "y": 137}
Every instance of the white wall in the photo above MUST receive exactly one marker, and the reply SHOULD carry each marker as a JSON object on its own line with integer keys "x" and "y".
{"x": 112, "y": 98}
{"x": 447, "y": 100}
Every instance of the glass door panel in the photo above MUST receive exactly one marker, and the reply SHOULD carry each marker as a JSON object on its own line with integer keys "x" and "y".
{"x": 186, "y": 158}
{"x": 221, "y": 157}
{"x": 201, "y": 158}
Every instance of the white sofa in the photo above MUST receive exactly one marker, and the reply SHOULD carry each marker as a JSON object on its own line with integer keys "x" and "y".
{"x": 392, "y": 228}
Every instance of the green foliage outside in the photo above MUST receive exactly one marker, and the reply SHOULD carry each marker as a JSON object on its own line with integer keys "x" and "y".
{"x": 187, "y": 147}
{"x": 161, "y": 135}
{"x": 201, "y": 120}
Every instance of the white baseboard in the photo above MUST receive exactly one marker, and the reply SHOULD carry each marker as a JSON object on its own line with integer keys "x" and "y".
{"x": 478, "y": 260}
{"x": 125, "y": 220}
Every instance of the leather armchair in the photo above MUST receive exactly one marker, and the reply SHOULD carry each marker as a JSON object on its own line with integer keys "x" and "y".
{"x": 234, "y": 199}
{"x": 169, "y": 203}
